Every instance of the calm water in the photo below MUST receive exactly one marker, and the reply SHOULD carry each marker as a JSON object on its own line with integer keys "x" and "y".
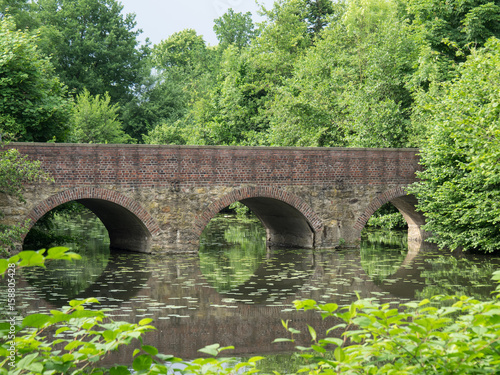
{"x": 235, "y": 291}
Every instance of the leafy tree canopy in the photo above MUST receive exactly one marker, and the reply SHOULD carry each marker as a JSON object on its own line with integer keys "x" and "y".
{"x": 33, "y": 102}
{"x": 20, "y": 11}
{"x": 350, "y": 87}
{"x": 234, "y": 29}
{"x": 93, "y": 46}
{"x": 459, "y": 192}
{"x": 184, "y": 50}
{"x": 94, "y": 120}
{"x": 447, "y": 31}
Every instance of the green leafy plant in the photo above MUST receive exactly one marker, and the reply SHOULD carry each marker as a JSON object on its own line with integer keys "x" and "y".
{"x": 440, "y": 335}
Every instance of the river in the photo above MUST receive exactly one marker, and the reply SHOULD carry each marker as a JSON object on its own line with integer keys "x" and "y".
{"x": 235, "y": 291}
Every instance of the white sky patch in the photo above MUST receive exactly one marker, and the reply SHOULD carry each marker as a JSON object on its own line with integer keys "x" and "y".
{"x": 159, "y": 19}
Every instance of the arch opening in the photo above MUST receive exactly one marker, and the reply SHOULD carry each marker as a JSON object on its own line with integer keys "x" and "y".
{"x": 126, "y": 231}
{"x": 406, "y": 204}
{"x": 129, "y": 226}
{"x": 289, "y": 221}
{"x": 72, "y": 225}
{"x": 285, "y": 225}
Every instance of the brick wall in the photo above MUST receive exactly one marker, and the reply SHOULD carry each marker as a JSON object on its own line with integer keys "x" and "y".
{"x": 161, "y": 166}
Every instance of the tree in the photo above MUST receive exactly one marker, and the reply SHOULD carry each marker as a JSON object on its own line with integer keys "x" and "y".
{"x": 33, "y": 102}
{"x": 92, "y": 45}
{"x": 317, "y": 14}
{"x": 234, "y": 29}
{"x": 184, "y": 50}
{"x": 237, "y": 110}
{"x": 161, "y": 99}
{"x": 446, "y": 32}
{"x": 20, "y": 11}
{"x": 459, "y": 190}
{"x": 94, "y": 120}
{"x": 349, "y": 89}
{"x": 15, "y": 171}
{"x": 185, "y": 71}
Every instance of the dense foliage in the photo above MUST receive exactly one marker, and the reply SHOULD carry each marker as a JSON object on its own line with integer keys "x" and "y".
{"x": 33, "y": 101}
{"x": 91, "y": 44}
{"x": 460, "y": 191}
{"x": 95, "y": 120}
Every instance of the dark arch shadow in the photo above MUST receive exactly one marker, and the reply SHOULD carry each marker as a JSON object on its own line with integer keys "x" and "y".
{"x": 129, "y": 225}
{"x": 285, "y": 225}
{"x": 289, "y": 221}
{"x": 126, "y": 231}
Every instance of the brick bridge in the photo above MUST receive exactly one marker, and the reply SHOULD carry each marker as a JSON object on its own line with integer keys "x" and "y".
{"x": 160, "y": 198}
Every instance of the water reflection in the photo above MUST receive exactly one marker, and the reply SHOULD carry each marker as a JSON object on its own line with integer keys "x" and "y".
{"x": 231, "y": 249}
{"x": 108, "y": 277}
{"x": 382, "y": 253}
{"x": 236, "y": 292}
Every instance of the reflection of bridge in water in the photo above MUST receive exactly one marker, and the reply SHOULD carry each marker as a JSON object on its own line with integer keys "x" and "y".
{"x": 160, "y": 198}
{"x": 249, "y": 316}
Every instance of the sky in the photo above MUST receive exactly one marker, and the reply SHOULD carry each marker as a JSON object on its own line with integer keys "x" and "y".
{"x": 159, "y": 19}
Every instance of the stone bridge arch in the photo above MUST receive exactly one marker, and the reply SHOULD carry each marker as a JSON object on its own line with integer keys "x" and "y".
{"x": 406, "y": 205}
{"x": 288, "y": 219}
{"x": 129, "y": 225}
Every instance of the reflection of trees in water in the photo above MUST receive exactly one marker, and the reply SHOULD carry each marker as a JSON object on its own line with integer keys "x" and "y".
{"x": 112, "y": 278}
{"x": 96, "y": 274}
{"x": 382, "y": 253}
{"x": 63, "y": 280}
{"x": 468, "y": 275}
{"x": 230, "y": 251}
{"x": 235, "y": 261}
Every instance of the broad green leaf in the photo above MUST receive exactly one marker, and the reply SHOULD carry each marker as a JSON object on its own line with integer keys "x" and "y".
{"x": 210, "y": 349}
{"x": 109, "y": 335}
{"x": 75, "y": 303}
{"x": 318, "y": 348}
{"x": 339, "y": 354}
{"x": 150, "y": 349}
{"x": 283, "y": 340}
{"x": 145, "y": 321}
{"x": 329, "y": 307}
{"x": 142, "y": 363}
{"x": 27, "y": 360}
{"x": 4, "y": 264}
{"x": 312, "y": 332}
{"x": 31, "y": 258}
{"x": 61, "y": 330}
{"x": 332, "y": 340}
{"x": 36, "y": 320}
{"x": 75, "y": 344}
